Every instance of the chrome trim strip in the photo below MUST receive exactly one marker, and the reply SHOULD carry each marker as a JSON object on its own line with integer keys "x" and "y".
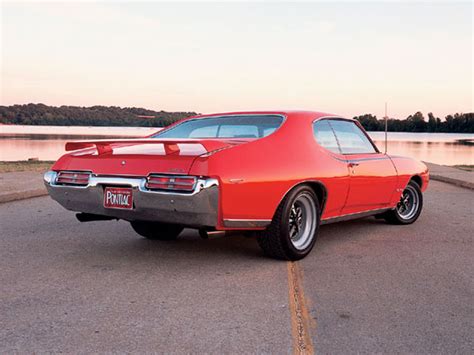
{"x": 246, "y": 223}
{"x": 350, "y": 216}
{"x": 382, "y": 157}
{"x": 378, "y": 157}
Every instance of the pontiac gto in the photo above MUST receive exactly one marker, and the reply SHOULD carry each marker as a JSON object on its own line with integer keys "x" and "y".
{"x": 278, "y": 174}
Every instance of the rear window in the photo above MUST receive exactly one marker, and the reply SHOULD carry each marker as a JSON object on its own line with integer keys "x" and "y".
{"x": 242, "y": 126}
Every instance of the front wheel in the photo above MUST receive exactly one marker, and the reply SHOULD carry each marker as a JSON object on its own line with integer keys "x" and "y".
{"x": 292, "y": 232}
{"x": 157, "y": 230}
{"x": 408, "y": 208}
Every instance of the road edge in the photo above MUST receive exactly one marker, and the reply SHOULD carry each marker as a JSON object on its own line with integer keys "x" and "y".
{"x": 22, "y": 195}
{"x": 452, "y": 181}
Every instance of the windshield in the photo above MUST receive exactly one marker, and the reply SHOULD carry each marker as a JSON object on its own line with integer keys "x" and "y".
{"x": 242, "y": 126}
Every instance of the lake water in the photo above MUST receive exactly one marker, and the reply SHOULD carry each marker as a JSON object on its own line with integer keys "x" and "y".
{"x": 47, "y": 142}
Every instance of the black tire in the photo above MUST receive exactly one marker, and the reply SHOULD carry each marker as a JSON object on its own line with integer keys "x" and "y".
{"x": 157, "y": 230}
{"x": 401, "y": 214}
{"x": 276, "y": 240}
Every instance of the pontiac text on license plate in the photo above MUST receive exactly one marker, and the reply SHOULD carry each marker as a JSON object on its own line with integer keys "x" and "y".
{"x": 118, "y": 197}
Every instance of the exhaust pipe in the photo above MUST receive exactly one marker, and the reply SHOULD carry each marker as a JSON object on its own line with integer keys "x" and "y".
{"x": 209, "y": 233}
{"x": 89, "y": 217}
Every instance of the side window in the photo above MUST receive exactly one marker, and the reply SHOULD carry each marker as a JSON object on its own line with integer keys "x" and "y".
{"x": 325, "y": 136}
{"x": 351, "y": 139}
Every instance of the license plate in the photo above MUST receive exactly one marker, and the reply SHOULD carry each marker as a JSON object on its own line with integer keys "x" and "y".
{"x": 118, "y": 197}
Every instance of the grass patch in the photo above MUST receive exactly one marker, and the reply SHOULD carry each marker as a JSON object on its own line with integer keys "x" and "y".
{"x": 465, "y": 167}
{"x": 24, "y": 165}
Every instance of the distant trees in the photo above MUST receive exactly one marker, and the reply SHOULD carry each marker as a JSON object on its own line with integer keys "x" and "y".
{"x": 40, "y": 114}
{"x": 434, "y": 123}
{"x": 369, "y": 122}
{"x": 457, "y": 123}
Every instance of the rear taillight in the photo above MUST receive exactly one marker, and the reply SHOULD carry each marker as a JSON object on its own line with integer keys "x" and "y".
{"x": 76, "y": 178}
{"x": 170, "y": 183}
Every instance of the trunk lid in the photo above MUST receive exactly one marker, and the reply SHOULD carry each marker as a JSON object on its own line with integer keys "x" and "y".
{"x": 138, "y": 157}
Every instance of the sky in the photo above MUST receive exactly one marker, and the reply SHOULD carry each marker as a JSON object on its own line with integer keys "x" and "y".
{"x": 347, "y": 58}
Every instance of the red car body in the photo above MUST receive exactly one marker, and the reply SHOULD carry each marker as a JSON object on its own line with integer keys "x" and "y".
{"x": 254, "y": 174}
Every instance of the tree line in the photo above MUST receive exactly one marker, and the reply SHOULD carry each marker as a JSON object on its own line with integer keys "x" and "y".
{"x": 40, "y": 114}
{"x": 457, "y": 123}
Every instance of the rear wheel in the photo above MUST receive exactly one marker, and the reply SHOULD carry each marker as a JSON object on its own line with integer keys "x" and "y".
{"x": 157, "y": 230}
{"x": 408, "y": 208}
{"x": 293, "y": 230}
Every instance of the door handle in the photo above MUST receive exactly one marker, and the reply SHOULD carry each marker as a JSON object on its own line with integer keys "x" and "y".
{"x": 352, "y": 165}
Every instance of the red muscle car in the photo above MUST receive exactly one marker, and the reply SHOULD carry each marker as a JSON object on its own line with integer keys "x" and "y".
{"x": 279, "y": 174}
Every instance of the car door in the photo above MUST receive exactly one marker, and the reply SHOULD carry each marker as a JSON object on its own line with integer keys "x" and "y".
{"x": 373, "y": 176}
{"x": 332, "y": 169}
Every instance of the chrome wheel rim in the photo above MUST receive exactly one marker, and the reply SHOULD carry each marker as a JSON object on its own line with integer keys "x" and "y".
{"x": 302, "y": 221}
{"x": 409, "y": 202}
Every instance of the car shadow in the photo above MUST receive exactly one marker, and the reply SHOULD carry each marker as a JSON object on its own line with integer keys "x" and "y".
{"x": 188, "y": 250}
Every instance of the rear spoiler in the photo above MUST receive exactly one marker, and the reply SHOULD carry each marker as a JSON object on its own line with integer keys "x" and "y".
{"x": 104, "y": 146}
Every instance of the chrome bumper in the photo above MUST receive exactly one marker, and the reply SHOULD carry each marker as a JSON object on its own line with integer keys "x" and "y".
{"x": 195, "y": 209}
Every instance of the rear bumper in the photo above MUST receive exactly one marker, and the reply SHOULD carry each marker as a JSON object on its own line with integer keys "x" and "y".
{"x": 198, "y": 208}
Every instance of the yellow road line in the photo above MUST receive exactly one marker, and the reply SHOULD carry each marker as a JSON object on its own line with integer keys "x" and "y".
{"x": 300, "y": 319}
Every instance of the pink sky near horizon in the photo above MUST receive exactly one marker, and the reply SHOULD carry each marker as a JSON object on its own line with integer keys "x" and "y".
{"x": 346, "y": 58}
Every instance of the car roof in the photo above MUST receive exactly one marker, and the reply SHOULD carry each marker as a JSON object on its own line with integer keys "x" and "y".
{"x": 291, "y": 114}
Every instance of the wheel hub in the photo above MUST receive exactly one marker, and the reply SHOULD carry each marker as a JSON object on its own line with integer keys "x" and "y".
{"x": 302, "y": 221}
{"x": 296, "y": 221}
{"x": 408, "y": 204}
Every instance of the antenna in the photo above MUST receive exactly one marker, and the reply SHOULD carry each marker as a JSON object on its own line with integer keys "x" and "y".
{"x": 386, "y": 127}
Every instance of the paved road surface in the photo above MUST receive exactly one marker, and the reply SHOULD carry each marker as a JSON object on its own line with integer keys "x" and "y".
{"x": 370, "y": 287}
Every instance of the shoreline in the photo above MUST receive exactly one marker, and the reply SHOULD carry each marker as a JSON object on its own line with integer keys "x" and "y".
{"x": 14, "y": 131}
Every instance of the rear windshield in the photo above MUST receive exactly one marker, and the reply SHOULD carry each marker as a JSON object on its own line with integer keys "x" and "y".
{"x": 242, "y": 126}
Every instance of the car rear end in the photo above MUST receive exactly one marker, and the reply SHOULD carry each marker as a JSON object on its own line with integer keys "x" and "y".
{"x": 178, "y": 199}
{"x": 146, "y": 180}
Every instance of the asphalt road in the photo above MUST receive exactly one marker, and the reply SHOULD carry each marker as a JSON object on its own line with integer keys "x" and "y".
{"x": 369, "y": 287}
